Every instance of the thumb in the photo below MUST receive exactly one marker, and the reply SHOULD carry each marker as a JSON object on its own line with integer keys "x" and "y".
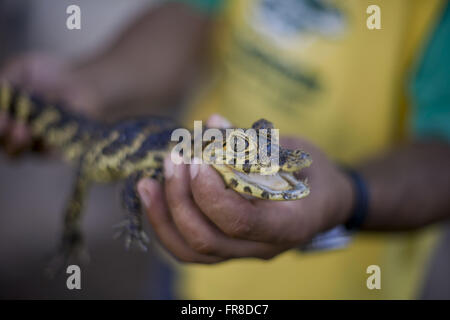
{"x": 217, "y": 121}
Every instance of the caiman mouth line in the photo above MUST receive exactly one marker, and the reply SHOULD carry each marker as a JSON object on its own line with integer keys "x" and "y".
{"x": 283, "y": 184}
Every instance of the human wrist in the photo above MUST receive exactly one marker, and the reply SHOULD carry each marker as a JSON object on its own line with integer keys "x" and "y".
{"x": 346, "y": 196}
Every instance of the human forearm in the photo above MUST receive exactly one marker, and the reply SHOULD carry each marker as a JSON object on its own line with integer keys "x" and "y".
{"x": 152, "y": 61}
{"x": 409, "y": 188}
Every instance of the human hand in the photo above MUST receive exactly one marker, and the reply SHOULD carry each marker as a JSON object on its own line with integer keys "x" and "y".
{"x": 199, "y": 220}
{"x": 51, "y": 78}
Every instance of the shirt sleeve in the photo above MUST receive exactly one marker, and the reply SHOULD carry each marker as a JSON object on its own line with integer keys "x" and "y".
{"x": 209, "y": 7}
{"x": 430, "y": 86}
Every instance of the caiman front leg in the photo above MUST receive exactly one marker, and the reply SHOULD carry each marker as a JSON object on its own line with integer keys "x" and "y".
{"x": 72, "y": 243}
{"x": 131, "y": 228}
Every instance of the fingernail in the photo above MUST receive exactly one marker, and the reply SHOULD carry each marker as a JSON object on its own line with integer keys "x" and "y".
{"x": 3, "y": 122}
{"x": 218, "y": 121}
{"x": 144, "y": 189}
{"x": 168, "y": 167}
{"x": 194, "y": 167}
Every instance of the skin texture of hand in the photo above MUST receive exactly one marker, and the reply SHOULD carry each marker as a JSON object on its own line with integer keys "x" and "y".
{"x": 199, "y": 220}
{"x": 51, "y": 78}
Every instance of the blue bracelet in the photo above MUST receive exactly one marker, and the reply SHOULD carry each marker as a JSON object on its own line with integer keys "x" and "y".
{"x": 361, "y": 204}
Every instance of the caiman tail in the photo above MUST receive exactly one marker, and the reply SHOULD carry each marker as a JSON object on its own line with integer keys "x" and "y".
{"x": 67, "y": 131}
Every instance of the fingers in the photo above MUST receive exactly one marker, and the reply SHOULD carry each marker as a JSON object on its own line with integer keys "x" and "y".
{"x": 14, "y": 136}
{"x": 151, "y": 194}
{"x": 199, "y": 219}
{"x": 13, "y": 71}
{"x": 256, "y": 220}
{"x": 19, "y": 138}
{"x": 235, "y": 216}
{"x": 217, "y": 121}
{"x": 196, "y": 229}
{"x": 19, "y": 72}
{"x": 30, "y": 72}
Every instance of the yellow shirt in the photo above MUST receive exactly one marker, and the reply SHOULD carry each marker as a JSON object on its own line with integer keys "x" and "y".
{"x": 327, "y": 77}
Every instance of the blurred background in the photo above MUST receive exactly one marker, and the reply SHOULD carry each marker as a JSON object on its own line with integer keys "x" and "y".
{"x": 33, "y": 189}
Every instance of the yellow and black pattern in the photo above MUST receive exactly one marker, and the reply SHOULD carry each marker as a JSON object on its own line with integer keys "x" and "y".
{"x": 131, "y": 150}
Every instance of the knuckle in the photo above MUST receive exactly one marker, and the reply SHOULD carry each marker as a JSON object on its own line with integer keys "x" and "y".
{"x": 267, "y": 257}
{"x": 212, "y": 262}
{"x": 240, "y": 227}
{"x": 203, "y": 245}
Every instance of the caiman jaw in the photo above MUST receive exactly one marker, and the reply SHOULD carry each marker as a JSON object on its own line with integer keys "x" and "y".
{"x": 279, "y": 186}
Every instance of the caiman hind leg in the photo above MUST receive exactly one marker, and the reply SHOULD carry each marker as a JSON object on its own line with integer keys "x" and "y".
{"x": 131, "y": 228}
{"x": 72, "y": 243}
